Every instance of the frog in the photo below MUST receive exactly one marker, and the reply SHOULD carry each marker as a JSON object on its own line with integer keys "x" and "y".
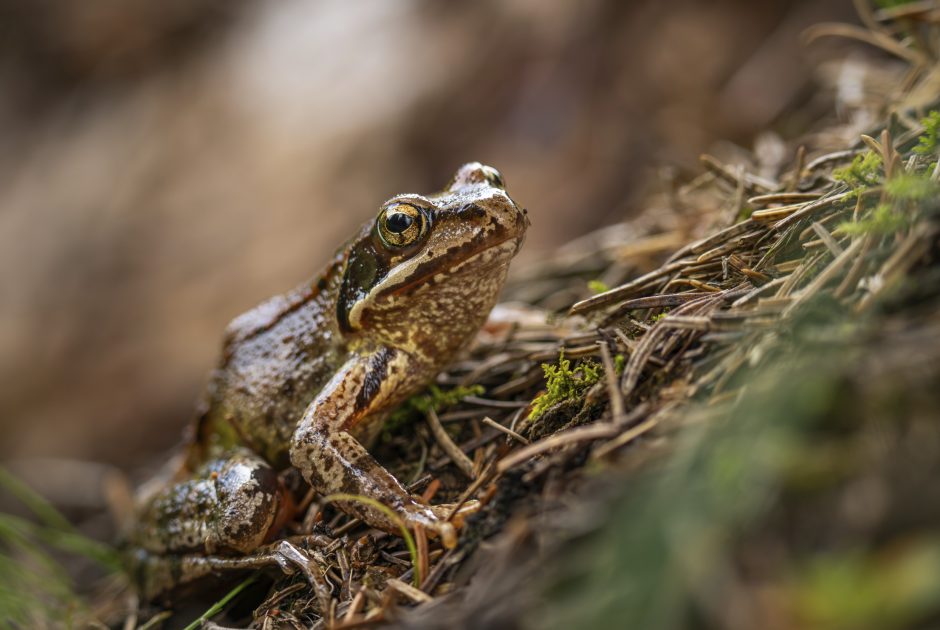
{"x": 306, "y": 379}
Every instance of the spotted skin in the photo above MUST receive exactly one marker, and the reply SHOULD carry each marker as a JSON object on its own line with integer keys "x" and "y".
{"x": 305, "y": 378}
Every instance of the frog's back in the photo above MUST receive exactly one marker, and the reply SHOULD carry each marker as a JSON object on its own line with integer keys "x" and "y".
{"x": 276, "y": 358}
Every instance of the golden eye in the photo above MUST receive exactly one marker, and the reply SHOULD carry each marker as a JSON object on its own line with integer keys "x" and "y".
{"x": 401, "y": 225}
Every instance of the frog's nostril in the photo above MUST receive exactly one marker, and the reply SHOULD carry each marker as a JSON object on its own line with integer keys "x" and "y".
{"x": 493, "y": 177}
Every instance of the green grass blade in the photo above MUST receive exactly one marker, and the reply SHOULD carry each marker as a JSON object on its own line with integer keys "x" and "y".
{"x": 217, "y": 607}
{"x": 387, "y": 511}
{"x": 35, "y": 502}
{"x": 57, "y": 530}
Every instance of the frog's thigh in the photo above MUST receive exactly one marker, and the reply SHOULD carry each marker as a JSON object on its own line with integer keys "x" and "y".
{"x": 229, "y": 504}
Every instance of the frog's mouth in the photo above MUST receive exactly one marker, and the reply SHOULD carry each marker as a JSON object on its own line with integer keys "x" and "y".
{"x": 414, "y": 273}
{"x": 480, "y": 259}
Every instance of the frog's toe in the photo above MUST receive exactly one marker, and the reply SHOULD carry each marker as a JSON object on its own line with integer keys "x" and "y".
{"x": 446, "y": 510}
{"x": 446, "y": 521}
{"x": 470, "y": 507}
{"x": 445, "y": 531}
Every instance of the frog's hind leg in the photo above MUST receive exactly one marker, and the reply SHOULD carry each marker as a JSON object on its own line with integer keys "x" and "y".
{"x": 229, "y": 505}
{"x": 157, "y": 575}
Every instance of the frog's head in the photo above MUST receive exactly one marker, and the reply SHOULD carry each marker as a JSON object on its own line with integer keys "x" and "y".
{"x": 425, "y": 273}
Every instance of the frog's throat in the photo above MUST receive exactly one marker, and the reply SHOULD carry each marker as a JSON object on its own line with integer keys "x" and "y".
{"x": 402, "y": 277}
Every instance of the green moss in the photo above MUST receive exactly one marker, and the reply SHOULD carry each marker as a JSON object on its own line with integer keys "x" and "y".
{"x": 620, "y": 362}
{"x": 927, "y": 142}
{"x": 598, "y": 286}
{"x": 659, "y": 316}
{"x": 914, "y": 187}
{"x": 861, "y": 173}
{"x": 880, "y": 221}
{"x": 562, "y": 382}
{"x": 434, "y": 397}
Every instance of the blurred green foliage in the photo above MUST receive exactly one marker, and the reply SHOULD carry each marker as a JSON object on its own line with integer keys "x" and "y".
{"x": 927, "y": 143}
{"x": 669, "y": 554}
{"x": 35, "y": 588}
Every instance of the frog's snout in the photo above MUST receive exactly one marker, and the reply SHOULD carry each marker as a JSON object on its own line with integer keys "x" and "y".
{"x": 491, "y": 188}
{"x": 474, "y": 173}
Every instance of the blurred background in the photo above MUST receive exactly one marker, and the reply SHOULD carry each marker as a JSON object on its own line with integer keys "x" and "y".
{"x": 166, "y": 166}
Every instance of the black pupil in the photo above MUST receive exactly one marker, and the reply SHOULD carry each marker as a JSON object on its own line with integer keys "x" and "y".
{"x": 398, "y": 222}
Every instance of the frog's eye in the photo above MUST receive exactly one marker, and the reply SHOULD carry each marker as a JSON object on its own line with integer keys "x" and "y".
{"x": 402, "y": 224}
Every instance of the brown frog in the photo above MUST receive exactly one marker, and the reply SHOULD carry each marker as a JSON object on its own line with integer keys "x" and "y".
{"x": 307, "y": 377}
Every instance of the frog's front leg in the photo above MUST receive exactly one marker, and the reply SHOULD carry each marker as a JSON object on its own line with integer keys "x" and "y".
{"x": 333, "y": 461}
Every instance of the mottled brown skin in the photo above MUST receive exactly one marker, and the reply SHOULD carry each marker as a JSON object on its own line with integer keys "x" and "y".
{"x": 307, "y": 377}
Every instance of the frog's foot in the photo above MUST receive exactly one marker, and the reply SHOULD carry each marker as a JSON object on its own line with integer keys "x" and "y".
{"x": 446, "y": 511}
{"x": 441, "y": 521}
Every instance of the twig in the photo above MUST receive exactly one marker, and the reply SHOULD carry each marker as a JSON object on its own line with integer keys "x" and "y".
{"x": 850, "y": 281}
{"x": 617, "y": 294}
{"x": 709, "y": 242}
{"x": 625, "y": 438}
{"x": 447, "y": 445}
{"x": 471, "y": 490}
{"x": 835, "y": 156}
{"x": 571, "y": 436}
{"x": 498, "y": 404}
{"x": 415, "y": 595}
{"x": 826, "y": 237}
{"x": 751, "y": 182}
{"x": 784, "y": 197}
{"x": 912, "y": 248}
{"x": 421, "y": 542}
{"x": 909, "y": 10}
{"x": 613, "y": 391}
{"x": 434, "y": 577}
{"x": 823, "y": 278}
{"x": 657, "y": 301}
{"x": 492, "y": 423}
{"x": 355, "y": 606}
{"x": 820, "y": 204}
{"x": 879, "y": 40}
{"x": 687, "y": 322}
